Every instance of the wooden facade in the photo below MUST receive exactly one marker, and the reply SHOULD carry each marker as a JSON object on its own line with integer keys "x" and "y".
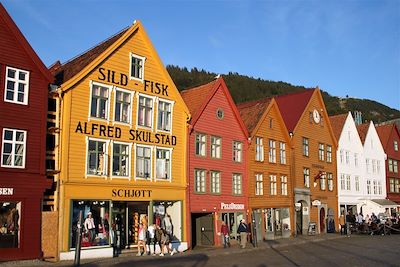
{"x": 270, "y": 183}
{"x": 313, "y": 160}
{"x": 123, "y": 143}
{"x": 23, "y": 143}
{"x": 217, "y": 124}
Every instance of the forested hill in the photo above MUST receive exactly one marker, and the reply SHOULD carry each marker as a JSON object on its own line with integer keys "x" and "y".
{"x": 244, "y": 88}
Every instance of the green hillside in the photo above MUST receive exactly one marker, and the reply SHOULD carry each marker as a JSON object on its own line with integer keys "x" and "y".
{"x": 244, "y": 88}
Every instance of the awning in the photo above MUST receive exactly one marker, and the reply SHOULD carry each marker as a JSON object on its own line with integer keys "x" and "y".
{"x": 385, "y": 203}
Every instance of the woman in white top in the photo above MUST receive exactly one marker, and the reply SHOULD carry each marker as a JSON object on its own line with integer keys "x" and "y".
{"x": 142, "y": 239}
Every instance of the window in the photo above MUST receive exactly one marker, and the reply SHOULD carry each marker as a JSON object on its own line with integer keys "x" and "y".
{"x": 99, "y": 101}
{"x": 97, "y": 157}
{"x": 120, "y": 163}
{"x": 145, "y": 111}
{"x": 395, "y": 146}
{"x": 305, "y": 147}
{"x": 10, "y": 219}
{"x": 17, "y": 86}
{"x": 216, "y": 147}
{"x": 271, "y": 125}
{"x": 378, "y": 166}
{"x": 215, "y": 182}
{"x": 391, "y": 185}
{"x": 341, "y": 156}
{"x": 321, "y": 151}
{"x": 348, "y": 183}
{"x": 13, "y": 151}
{"x": 368, "y": 187}
{"x": 200, "y": 181}
{"x": 237, "y": 151}
{"x": 272, "y": 151}
{"x": 143, "y": 162}
{"x": 373, "y": 166}
{"x": 328, "y": 153}
{"x": 322, "y": 181}
{"x": 342, "y": 182}
{"x": 220, "y": 113}
{"x": 259, "y": 185}
{"x": 284, "y": 187}
{"x": 122, "y": 111}
{"x": 164, "y": 116}
{"x": 390, "y": 164}
{"x": 163, "y": 164}
{"x": 397, "y": 185}
{"x": 330, "y": 181}
{"x": 282, "y": 152}
{"x": 272, "y": 180}
{"x": 395, "y": 168}
{"x": 200, "y": 144}
{"x": 379, "y": 187}
{"x": 375, "y": 187}
{"x": 367, "y": 165}
{"x": 237, "y": 184}
{"x": 347, "y": 157}
{"x": 259, "y": 149}
{"x": 306, "y": 175}
{"x": 356, "y": 159}
{"x": 357, "y": 180}
{"x": 137, "y": 67}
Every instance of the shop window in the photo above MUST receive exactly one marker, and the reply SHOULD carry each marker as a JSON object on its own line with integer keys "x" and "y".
{"x": 137, "y": 67}
{"x": 145, "y": 111}
{"x": 13, "y": 151}
{"x": 164, "y": 119}
{"x": 99, "y": 103}
{"x": 163, "y": 164}
{"x": 95, "y": 222}
{"x": 17, "y": 86}
{"x": 143, "y": 162}
{"x": 232, "y": 220}
{"x": 122, "y": 110}
{"x": 168, "y": 215}
{"x": 216, "y": 147}
{"x": 10, "y": 222}
{"x": 97, "y": 157}
{"x": 237, "y": 151}
{"x": 121, "y": 159}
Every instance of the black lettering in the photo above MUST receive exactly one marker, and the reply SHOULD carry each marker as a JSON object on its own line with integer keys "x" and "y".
{"x": 146, "y": 85}
{"x": 173, "y": 140}
{"x": 132, "y": 134}
{"x": 120, "y": 192}
{"x": 110, "y": 131}
{"x": 146, "y": 137}
{"x": 158, "y": 88}
{"x": 164, "y": 89}
{"x": 94, "y": 127}
{"x": 102, "y": 130}
{"x": 138, "y": 138}
{"x": 167, "y": 142}
{"x": 124, "y": 79}
{"x": 78, "y": 128}
{"x": 85, "y": 128}
{"x": 113, "y": 77}
{"x": 157, "y": 139}
{"x": 108, "y": 75}
{"x": 137, "y": 193}
{"x": 149, "y": 191}
{"x": 103, "y": 76}
{"x": 117, "y": 132}
{"x": 114, "y": 193}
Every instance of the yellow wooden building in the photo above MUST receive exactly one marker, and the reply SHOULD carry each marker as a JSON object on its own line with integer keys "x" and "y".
{"x": 122, "y": 146}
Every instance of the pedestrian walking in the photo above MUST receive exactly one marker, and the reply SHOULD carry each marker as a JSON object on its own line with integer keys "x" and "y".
{"x": 342, "y": 225}
{"x": 151, "y": 239}
{"x": 349, "y": 221}
{"x": 142, "y": 240}
{"x": 225, "y": 234}
{"x": 243, "y": 230}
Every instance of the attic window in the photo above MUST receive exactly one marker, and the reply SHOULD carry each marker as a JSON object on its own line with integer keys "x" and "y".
{"x": 220, "y": 113}
{"x": 137, "y": 67}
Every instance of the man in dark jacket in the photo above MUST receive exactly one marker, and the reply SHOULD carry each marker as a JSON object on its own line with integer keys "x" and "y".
{"x": 243, "y": 229}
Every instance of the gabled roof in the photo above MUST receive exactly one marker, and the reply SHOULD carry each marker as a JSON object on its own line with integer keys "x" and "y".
{"x": 337, "y": 123}
{"x": 384, "y": 133}
{"x": 198, "y": 97}
{"x": 252, "y": 112}
{"x": 362, "y": 131}
{"x": 64, "y": 72}
{"x": 25, "y": 44}
{"x": 292, "y": 106}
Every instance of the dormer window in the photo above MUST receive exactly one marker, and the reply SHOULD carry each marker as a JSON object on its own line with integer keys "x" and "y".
{"x": 137, "y": 67}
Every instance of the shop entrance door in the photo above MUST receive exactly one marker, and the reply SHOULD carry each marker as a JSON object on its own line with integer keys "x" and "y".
{"x": 204, "y": 229}
{"x": 322, "y": 220}
{"x": 118, "y": 221}
{"x": 278, "y": 223}
{"x": 299, "y": 220}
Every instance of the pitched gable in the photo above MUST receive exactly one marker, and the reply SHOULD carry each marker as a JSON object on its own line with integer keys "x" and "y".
{"x": 337, "y": 123}
{"x": 252, "y": 112}
{"x": 363, "y": 131}
{"x": 384, "y": 132}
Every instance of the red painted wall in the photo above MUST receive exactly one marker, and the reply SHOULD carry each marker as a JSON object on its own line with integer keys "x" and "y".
{"x": 28, "y": 183}
{"x": 395, "y": 155}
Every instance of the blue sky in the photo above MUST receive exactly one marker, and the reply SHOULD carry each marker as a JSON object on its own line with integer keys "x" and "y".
{"x": 347, "y": 47}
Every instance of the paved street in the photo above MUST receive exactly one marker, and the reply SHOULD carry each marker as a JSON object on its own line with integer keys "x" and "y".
{"x": 341, "y": 251}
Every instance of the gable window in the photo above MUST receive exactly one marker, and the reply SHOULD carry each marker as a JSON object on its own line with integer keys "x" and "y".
{"x": 328, "y": 153}
{"x": 272, "y": 151}
{"x": 330, "y": 181}
{"x": 306, "y": 175}
{"x": 164, "y": 116}
{"x": 97, "y": 157}
{"x": 284, "y": 187}
{"x": 272, "y": 180}
{"x": 120, "y": 163}
{"x": 356, "y": 159}
{"x": 216, "y": 147}
{"x": 347, "y": 157}
{"x": 17, "y": 86}
{"x": 145, "y": 111}
{"x": 122, "y": 110}
{"x": 259, "y": 184}
{"x": 137, "y": 67}
{"x": 259, "y": 149}
{"x": 200, "y": 144}
{"x": 305, "y": 147}
{"x": 215, "y": 182}
{"x": 395, "y": 146}
{"x": 321, "y": 151}
{"x": 143, "y": 162}
{"x": 395, "y": 168}
{"x": 237, "y": 151}
{"x": 200, "y": 181}
{"x": 99, "y": 101}
{"x": 367, "y": 165}
{"x": 341, "y": 155}
{"x": 282, "y": 152}
{"x": 13, "y": 151}
{"x": 163, "y": 164}
{"x": 237, "y": 184}
{"x": 390, "y": 165}
{"x": 373, "y": 166}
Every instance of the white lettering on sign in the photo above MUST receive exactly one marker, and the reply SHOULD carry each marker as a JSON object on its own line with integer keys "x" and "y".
{"x": 6, "y": 191}
{"x": 231, "y": 206}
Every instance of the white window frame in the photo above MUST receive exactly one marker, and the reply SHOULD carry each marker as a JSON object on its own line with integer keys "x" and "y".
{"x": 215, "y": 147}
{"x": 128, "y": 176}
{"x": 170, "y": 164}
{"x": 105, "y": 168}
{"x": 13, "y": 143}
{"x": 348, "y": 182}
{"x": 369, "y": 187}
{"x": 374, "y": 182}
{"x": 306, "y": 177}
{"x": 110, "y": 88}
{"x": 259, "y": 149}
{"x": 342, "y": 181}
{"x": 282, "y": 152}
{"x": 329, "y": 153}
{"x": 200, "y": 185}
{"x": 321, "y": 152}
{"x": 395, "y": 145}
{"x": 131, "y": 93}
{"x": 158, "y": 100}
{"x": 237, "y": 188}
{"x": 237, "y": 151}
{"x": 306, "y": 146}
{"x": 150, "y": 178}
{"x": 284, "y": 185}
{"x": 140, "y": 79}
{"x": 153, "y": 98}
{"x": 273, "y": 185}
{"x": 357, "y": 183}
{"x": 322, "y": 181}
{"x": 272, "y": 151}
{"x": 203, "y": 143}
{"x": 17, "y": 81}
{"x": 330, "y": 181}
{"x": 259, "y": 188}
{"x": 215, "y": 182}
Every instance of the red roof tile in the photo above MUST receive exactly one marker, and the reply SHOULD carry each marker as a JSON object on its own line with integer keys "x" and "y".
{"x": 252, "y": 112}
{"x": 292, "y": 106}
{"x": 362, "y": 131}
{"x": 384, "y": 132}
{"x": 337, "y": 123}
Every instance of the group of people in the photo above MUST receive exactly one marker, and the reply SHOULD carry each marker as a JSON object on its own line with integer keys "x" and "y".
{"x": 153, "y": 234}
{"x": 243, "y": 231}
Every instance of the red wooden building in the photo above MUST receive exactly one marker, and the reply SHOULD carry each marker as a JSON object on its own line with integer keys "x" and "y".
{"x": 390, "y": 139}
{"x": 217, "y": 163}
{"x": 24, "y": 84}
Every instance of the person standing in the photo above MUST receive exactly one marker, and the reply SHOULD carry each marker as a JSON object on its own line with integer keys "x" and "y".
{"x": 90, "y": 227}
{"x": 243, "y": 229}
{"x": 349, "y": 220}
{"x": 225, "y": 234}
{"x": 142, "y": 240}
{"x": 152, "y": 234}
{"x": 342, "y": 225}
